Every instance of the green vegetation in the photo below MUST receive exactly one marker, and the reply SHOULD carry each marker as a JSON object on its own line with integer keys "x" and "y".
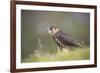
{"x": 34, "y": 25}
{"x": 45, "y": 55}
{"x": 76, "y": 54}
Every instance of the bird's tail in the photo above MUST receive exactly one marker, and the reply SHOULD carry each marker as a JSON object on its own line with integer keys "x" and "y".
{"x": 81, "y": 45}
{"x": 78, "y": 45}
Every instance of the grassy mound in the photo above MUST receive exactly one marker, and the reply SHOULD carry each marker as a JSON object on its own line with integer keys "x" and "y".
{"x": 59, "y": 55}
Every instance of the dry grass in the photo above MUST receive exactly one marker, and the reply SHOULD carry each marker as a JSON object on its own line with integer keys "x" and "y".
{"x": 41, "y": 55}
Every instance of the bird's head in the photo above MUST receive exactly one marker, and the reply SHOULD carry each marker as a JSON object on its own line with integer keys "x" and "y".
{"x": 52, "y": 30}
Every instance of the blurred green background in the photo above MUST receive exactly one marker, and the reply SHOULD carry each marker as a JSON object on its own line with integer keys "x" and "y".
{"x": 34, "y": 26}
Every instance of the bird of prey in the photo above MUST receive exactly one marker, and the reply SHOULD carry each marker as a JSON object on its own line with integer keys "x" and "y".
{"x": 62, "y": 39}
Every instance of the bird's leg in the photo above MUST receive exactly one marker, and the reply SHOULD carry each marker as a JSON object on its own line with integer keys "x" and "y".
{"x": 62, "y": 46}
{"x": 67, "y": 47}
{"x": 65, "y": 50}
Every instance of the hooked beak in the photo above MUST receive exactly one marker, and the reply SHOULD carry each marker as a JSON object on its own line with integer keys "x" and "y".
{"x": 49, "y": 29}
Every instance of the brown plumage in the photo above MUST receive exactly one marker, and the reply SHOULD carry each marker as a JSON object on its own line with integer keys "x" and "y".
{"x": 62, "y": 39}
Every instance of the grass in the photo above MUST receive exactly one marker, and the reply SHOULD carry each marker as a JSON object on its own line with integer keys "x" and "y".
{"x": 76, "y": 54}
{"x": 44, "y": 55}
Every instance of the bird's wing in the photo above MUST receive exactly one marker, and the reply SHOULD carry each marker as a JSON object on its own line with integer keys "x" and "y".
{"x": 64, "y": 38}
